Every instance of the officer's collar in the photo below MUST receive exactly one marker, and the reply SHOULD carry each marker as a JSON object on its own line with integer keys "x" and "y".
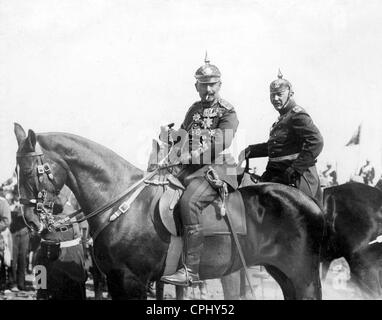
{"x": 289, "y": 106}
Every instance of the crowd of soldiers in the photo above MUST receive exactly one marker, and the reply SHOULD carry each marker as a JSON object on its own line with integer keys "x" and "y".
{"x": 365, "y": 174}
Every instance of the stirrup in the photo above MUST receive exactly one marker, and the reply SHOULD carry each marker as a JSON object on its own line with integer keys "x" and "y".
{"x": 186, "y": 283}
{"x": 191, "y": 282}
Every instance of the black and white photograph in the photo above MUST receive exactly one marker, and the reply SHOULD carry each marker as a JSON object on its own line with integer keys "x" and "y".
{"x": 197, "y": 150}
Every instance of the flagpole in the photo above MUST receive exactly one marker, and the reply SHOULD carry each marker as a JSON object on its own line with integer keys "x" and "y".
{"x": 359, "y": 149}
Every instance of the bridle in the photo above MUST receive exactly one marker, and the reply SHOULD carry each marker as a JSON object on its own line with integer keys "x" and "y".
{"x": 42, "y": 207}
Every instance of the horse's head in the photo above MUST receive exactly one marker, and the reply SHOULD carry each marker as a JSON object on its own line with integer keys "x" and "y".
{"x": 40, "y": 180}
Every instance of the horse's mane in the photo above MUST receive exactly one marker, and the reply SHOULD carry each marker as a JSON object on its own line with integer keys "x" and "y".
{"x": 73, "y": 145}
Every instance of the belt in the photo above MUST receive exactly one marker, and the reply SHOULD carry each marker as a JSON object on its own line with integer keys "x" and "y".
{"x": 282, "y": 158}
{"x": 66, "y": 244}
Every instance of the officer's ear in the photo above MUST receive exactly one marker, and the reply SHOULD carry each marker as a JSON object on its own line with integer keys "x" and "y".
{"x": 291, "y": 93}
{"x": 196, "y": 86}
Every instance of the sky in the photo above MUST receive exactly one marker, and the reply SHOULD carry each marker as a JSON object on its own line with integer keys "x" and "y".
{"x": 115, "y": 71}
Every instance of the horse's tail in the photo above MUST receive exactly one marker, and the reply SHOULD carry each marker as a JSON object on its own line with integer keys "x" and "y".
{"x": 329, "y": 208}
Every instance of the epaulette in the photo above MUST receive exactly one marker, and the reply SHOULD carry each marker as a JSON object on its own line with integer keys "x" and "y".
{"x": 297, "y": 109}
{"x": 226, "y": 104}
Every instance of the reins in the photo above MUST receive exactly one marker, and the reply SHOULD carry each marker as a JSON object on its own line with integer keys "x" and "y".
{"x": 112, "y": 203}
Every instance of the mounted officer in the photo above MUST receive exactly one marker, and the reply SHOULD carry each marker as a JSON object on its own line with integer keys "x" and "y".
{"x": 206, "y": 132}
{"x": 293, "y": 146}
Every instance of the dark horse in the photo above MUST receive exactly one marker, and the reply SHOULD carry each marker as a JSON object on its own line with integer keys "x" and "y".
{"x": 353, "y": 212}
{"x": 284, "y": 227}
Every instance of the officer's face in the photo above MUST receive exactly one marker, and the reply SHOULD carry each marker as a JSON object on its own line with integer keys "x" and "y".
{"x": 278, "y": 99}
{"x": 208, "y": 91}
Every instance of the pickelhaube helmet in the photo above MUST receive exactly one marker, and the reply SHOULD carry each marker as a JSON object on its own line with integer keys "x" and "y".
{"x": 208, "y": 73}
{"x": 280, "y": 84}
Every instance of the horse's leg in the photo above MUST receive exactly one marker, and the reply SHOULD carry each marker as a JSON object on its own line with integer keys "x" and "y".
{"x": 366, "y": 275}
{"x": 298, "y": 283}
{"x": 179, "y": 292}
{"x": 97, "y": 282}
{"x": 231, "y": 286}
{"x": 325, "y": 269}
{"x": 123, "y": 285}
{"x": 307, "y": 282}
{"x": 159, "y": 290}
{"x": 245, "y": 289}
{"x": 284, "y": 282}
{"x": 97, "y": 275}
{"x": 203, "y": 291}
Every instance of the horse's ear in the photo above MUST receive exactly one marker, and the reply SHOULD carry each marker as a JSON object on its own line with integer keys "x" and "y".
{"x": 32, "y": 139}
{"x": 20, "y": 133}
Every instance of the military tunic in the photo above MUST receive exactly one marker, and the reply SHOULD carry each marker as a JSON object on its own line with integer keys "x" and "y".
{"x": 293, "y": 146}
{"x": 210, "y": 130}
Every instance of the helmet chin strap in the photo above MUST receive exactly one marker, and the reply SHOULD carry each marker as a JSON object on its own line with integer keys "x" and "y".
{"x": 286, "y": 102}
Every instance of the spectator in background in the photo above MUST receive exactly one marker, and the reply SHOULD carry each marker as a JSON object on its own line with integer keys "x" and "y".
{"x": 5, "y": 218}
{"x": 61, "y": 253}
{"x": 330, "y": 175}
{"x": 20, "y": 241}
{"x": 5, "y": 214}
{"x": 367, "y": 173}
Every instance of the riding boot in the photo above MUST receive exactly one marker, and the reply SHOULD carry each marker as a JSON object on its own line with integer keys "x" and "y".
{"x": 189, "y": 274}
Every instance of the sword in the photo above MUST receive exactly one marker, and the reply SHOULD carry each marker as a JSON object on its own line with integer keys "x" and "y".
{"x": 241, "y": 255}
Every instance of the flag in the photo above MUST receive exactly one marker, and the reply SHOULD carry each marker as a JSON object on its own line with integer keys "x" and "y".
{"x": 355, "y": 139}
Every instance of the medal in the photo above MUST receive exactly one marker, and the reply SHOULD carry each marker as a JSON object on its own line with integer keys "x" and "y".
{"x": 209, "y": 112}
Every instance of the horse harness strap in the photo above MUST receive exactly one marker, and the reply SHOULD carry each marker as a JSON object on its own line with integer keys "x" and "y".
{"x": 39, "y": 201}
{"x": 112, "y": 203}
{"x": 126, "y": 204}
{"x": 221, "y": 186}
{"x": 64, "y": 244}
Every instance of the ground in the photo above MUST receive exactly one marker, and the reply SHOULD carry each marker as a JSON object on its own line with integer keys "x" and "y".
{"x": 336, "y": 287}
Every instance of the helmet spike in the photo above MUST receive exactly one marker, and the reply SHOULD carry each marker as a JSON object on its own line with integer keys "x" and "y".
{"x": 208, "y": 73}
{"x": 206, "y": 59}
{"x": 280, "y": 75}
{"x": 280, "y": 84}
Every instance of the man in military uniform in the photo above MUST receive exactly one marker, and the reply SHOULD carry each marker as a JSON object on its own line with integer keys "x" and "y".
{"x": 293, "y": 145}
{"x": 207, "y": 130}
{"x": 367, "y": 173}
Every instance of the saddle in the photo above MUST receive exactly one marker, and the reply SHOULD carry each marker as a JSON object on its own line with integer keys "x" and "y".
{"x": 214, "y": 219}
{"x": 213, "y": 222}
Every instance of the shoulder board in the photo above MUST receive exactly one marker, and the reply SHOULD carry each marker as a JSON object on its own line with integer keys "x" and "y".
{"x": 297, "y": 109}
{"x": 226, "y": 104}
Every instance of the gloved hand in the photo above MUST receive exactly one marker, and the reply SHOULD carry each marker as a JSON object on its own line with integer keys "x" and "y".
{"x": 242, "y": 156}
{"x": 164, "y": 135}
{"x": 167, "y": 133}
{"x": 291, "y": 176}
